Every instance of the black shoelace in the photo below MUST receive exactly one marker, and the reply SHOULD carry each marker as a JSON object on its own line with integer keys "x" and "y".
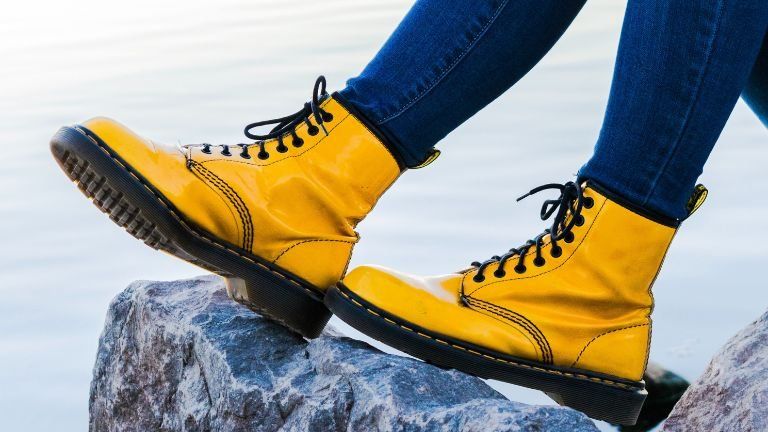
{"x": 285, "y": 126}
{"x": 571, "y": 201}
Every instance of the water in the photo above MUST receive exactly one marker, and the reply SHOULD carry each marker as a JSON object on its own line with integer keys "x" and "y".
{"x": 198, "y": 71}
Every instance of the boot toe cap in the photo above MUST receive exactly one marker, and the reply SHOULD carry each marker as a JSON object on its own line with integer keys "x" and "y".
{"x": 433, "y": 304}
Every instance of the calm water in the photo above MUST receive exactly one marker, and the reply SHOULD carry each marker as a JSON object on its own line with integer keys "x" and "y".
{"x": 198, "y": 71}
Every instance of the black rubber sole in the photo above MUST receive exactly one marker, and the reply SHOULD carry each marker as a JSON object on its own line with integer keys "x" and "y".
{"x": 598, "y": 396}
{"x": 134, "y": 204}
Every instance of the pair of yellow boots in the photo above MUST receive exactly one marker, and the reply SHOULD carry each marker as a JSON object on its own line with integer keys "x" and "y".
{"x": 567, "y": 313}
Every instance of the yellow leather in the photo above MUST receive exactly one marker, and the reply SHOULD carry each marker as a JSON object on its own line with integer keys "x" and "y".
{"x": 298, "y": 208}
{"x": 587, "y": 309}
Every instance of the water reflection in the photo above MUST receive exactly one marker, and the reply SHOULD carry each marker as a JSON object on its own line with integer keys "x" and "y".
{"x": 198, "y": 71}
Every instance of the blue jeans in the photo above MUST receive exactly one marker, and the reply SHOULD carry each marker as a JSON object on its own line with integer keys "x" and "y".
{"x": 680, "y": 69}
{"x": 756, "y": 91}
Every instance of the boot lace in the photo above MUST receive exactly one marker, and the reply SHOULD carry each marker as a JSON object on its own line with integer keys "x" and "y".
{"x": 284, "y": 127}
{"x": 570, "y": 202}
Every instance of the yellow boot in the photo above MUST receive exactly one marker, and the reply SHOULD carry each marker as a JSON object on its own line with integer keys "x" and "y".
{"x": 275, "y": 216}
{"x": 567, "y": 313}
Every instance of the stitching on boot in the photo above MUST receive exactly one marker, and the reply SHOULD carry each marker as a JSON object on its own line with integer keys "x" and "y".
{"x": 603, "y": 334}
{"x": 648, "y": 345}
{"x": 233, "y": 197}
{"x": 521, "y": 320}
{"x": 192, "y": 230}
{"x": 310, "y": 241}
{"x": 490, "y": 357}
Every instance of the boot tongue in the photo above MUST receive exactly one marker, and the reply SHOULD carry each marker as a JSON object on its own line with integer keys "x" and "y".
{"x": 697, "y": 198}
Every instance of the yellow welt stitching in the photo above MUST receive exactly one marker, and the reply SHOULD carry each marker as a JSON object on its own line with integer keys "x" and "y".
{"x": 549, "y": 371}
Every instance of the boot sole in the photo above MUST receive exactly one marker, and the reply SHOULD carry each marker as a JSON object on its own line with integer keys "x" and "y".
{"x": 599, "y": 396}
{"x": 134, "y": 204}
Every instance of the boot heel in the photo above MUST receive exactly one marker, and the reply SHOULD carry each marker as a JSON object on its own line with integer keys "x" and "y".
{"x": 302, "y": 314}
{"x": 611, "y": 404}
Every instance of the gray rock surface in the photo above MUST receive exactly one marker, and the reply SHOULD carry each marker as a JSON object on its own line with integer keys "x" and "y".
{"x": 732, "y": 394}
{"x": 182, "y": 356}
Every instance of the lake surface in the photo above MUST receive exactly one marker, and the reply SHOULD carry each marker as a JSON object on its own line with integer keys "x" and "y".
{"x": 194, "y": 71}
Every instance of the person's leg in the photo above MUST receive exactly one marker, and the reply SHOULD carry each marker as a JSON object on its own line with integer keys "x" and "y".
{"x": 568, "y": 312}
{"x": 447, "y": 60}
{"x": 756, "y": 91}
{"x": 681, "y": 67}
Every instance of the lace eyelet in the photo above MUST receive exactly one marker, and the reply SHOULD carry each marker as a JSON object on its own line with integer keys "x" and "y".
{"x": 478, "y": 278}
{"x": 568, "y": 214}
{"x": 206, "y": 149}
{"x": 499, "y": 273}
{"x": 327, "y": 117}
{"x": 263, "y": 155}
{"x": 282, "y": 149}
{"x": 245, "y": 155}
{"x": 297, "y": 142}
{"x": 313, "y": 130}
{"x": 226, "y": 152}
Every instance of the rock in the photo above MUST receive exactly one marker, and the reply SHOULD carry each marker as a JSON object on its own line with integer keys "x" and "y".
{"x": 182, "y": 356}
{"x": 732, "y": 394}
